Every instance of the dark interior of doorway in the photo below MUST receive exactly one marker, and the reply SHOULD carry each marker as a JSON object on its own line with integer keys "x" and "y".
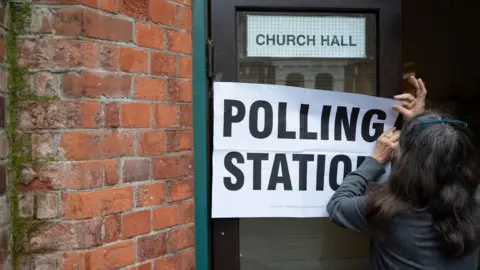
{"x": 440, "y": 45}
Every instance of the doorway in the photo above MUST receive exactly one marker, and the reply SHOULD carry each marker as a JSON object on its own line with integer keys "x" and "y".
{"x": 284, "y": 243}
{"x": 437, "y": 45}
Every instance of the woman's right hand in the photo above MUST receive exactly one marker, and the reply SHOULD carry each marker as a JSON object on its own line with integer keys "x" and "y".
{"x": 412, "y": 105}
{"x": 386, "y": 145}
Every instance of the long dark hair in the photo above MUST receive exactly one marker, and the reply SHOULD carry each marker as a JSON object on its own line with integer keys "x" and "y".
{"x": 435, "y": 168}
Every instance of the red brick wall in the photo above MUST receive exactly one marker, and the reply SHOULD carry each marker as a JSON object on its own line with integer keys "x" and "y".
{"x": 119, "y": 191}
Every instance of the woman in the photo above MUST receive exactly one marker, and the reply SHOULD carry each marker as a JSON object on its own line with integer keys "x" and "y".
{"x": 426, "y": 215}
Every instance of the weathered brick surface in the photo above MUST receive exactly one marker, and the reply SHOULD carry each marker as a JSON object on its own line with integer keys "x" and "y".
{"x": 117, "y": 189}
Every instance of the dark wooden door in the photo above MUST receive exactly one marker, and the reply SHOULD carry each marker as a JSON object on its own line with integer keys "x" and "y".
{"x": 380, "y": 73}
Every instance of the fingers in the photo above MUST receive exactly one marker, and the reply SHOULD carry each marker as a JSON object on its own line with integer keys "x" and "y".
{"x": 413, "y": 81}
{"x": 395, "y": 145}
{"x": 388, "y": 133}
{"x": 405, "y": 97}
{"x": 421, "y": 91}
{"x": 403, "y": 111}
{"x": 410, "y": 105}
{"x": 395, "y": 136}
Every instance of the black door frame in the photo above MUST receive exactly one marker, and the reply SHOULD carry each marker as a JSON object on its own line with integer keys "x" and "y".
{"x": 225, "y": 248}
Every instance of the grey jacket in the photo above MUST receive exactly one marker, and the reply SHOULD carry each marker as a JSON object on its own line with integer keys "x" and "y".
{"x": 411, "y": 241}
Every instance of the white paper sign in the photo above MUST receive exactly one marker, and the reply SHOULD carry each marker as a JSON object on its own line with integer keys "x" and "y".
{"x": 281, "y": 151}
{"x": 306, "y": 36}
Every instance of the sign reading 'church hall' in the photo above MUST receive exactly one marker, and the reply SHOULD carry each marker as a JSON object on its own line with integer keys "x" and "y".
{"x": 306, "y": 36}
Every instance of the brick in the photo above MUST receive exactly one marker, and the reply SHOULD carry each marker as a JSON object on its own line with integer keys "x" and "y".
{"x": 74, "y": 260}
{"x": 27, "y": 175}
{"x": 185, "y": 18}
{"x": 59, "y": 114}
{"x": 111, "y": 112}
{"x": 145, "y": 266}
{"x": 165, "y": 115}
{"x": 111, "y": 57}
{"x": 135, "y": 223}
{"x": 136, "y": 170}
{"x": 89, "y": 3}
{"x": 186, "y": 115}
{"x": 68, "y": 21}
{"x": 165, "y": 217}
{"x": 185, "y": 164}
{"x": 150, "y": 88}
{"x": 187, "y": 259}
{"x": 4, "y": 208}
{"x": 73, "y": 175}
{"x": 164, "y": 167}
{"x": 3, "y": 178}
{"x": 112, "y": 228}
{"x": 179, "y": 140}
{"x": 134, "y": 8}
{"x": 163, "y": 12}
{"x": 47, "y": 205}
{"x": 97, "y": 84}
{"x": 4, "y": 247}
{"x": 77, "y": 205}
{"x": 180, "y": 238}
{"x": 44, "y": 146}
{"x": 58, "y": 2}
{"x": 46, "y": 84}
{"x": 3, "y": 145}
{"x": 41, "y": 20}
{"x": 68, "y": 236}
{"x": 149, "y": 35}
{"x": 112, "y": 172}
{"x": 46, "y": 261}
{"x": 2, "y": 50}
{"x": 135, "y": 115}
{"x": 162, "y": 64}
{"x": 111, "y": 28}
{"x": 151, "y": 142}
{"x": 180, "y": 42}
{"x": 108, "y": 5}
{"x": 26, "y": 204}
{"x": 150, "y": 194}
{"x": 91, "y": 54}
{"x": 180, "y": 189}
{"x": 179, "y": 90}
{"x": 151, "y": 246}
{"x": 133, "y": 60}
{"x": 185, "y": 67}
{"x": 35, "y": 185}
{"x": 97, "y": 145}
{"x": 59, "y": 53}
{"x": 113, "y": 256}
{"x": 187, "y": 212}
{"x": 170, "y": 262}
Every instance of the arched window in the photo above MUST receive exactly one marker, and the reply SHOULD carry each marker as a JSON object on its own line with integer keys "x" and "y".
{"x": 295, "y": 79}
{"x": 324, "y": 81}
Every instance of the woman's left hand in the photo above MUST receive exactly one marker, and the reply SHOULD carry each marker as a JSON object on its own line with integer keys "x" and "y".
{"x": 386, "y": 145}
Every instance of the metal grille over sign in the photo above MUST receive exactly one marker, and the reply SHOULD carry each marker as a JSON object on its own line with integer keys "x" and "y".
{"x": 306, "y": 36}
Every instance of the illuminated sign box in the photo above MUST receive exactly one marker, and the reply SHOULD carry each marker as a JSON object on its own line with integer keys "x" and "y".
{"x": 306, "y": 36}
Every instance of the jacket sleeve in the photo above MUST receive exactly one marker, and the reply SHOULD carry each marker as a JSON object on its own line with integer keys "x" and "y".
{"x": 347, "y": 205}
